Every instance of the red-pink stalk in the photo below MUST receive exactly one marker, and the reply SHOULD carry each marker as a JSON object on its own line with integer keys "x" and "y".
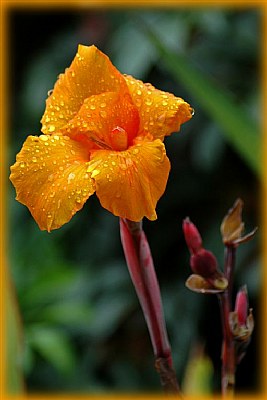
{"x": 228, "y": 347}
{"x": 141, "y": 268}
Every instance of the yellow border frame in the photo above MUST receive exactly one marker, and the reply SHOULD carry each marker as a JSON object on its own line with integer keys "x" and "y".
{"x": 112, "y": 4}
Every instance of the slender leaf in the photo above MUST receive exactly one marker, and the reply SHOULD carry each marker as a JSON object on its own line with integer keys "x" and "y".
{"x": 239, "y": 129}
{"x": 14, "y": 378}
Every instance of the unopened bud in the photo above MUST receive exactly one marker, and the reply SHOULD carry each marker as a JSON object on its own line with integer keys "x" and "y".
{"x": 241, "y": 305}
{"x": 192, "y": 236}
{"x": 204, "y": 263}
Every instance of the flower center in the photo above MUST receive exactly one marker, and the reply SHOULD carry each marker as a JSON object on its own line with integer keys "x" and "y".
{"x": 119, "y": 139}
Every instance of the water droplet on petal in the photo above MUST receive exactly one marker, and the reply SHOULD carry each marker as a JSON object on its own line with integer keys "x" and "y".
{"x": 51, "y": 128}
{"x": 43, "y": 137}
{"x": 71, "y": 177}
{"x": 95, "y": 173}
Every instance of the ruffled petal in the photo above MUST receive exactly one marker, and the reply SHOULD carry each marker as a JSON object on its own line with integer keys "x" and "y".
{"x": 110, "y": 120}
{"x": 90, "y": 73}
{"x": 129, "y": 183}
{"x": 161, "y": 113}
{"x": 51, "y": 179}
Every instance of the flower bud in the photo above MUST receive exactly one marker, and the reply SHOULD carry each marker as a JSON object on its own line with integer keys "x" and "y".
{"x": 192, "y": 236}
{"x": 241, "y": 306}
{"x": 204, "y": 263}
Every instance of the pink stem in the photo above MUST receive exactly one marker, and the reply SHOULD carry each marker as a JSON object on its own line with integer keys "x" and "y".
{"x": 228, "y": 347}
{"x": 142, "y": 272}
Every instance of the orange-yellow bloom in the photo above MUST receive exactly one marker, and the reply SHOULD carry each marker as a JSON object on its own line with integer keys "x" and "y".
{"x": 102, "y": 132}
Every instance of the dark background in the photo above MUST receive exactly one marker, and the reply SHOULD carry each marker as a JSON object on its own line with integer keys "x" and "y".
{"x": 82, "y": 325}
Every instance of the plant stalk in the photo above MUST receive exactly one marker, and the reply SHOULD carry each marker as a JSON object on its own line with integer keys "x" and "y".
{"x": 228, "y": 346}
{"x": 141, "y": 268}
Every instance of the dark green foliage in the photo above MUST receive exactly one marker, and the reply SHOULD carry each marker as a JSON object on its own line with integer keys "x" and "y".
{"x": 83, "y": 329}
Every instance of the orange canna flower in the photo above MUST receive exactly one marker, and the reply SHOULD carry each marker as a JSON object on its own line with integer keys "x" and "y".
{"x": 102, "y": 133}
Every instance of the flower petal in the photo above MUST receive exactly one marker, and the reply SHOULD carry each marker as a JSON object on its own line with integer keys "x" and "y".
{"x": 102, "y": 117}
{"x": 51, "y": 180}
{"x": 129, "y": 183}
{"x": 90, "y": 73}
{"x": 161, "y": 113}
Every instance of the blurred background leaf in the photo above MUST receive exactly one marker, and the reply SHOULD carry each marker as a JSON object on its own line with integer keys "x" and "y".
{"x": 83, "y": 328}
{"x": 239, "y": 128}
{"x": 13, "y": 354}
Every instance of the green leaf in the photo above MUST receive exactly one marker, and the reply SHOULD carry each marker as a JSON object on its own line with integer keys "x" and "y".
{"x": 53, "y": 345}
{"x": 239, "y": 129}
{"x": 71, "y": 313}
{"x": 198, "y": 375}
{"x": 14, "y": 377}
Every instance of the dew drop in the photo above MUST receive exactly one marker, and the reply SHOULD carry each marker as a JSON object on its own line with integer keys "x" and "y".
{"x": 44, "y": 138}
{"x": 34, "y": 159}
{"x": 92, "y": 107}
{"x": 103, "y": 114}
{"x": 51, "y": 177}
{"x": 135, "y": 151}
{"x": 22, "y": 164}
{"x": 95, "y": 173}
{"x": 73, "y": 152}
{"x": 103, "y": 105}
{"x": 164, "y": 103}
{"x": 51, "y": 128}
{"x": 138, "y": 92}
{"x": 52, "y": 194}
{"x": 71, "y": 177}
{"x": 113, "y": 163}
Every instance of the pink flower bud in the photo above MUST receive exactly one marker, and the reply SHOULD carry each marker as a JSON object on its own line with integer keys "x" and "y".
{"x": 241, "y": 305}
{"x": 204, "y": 263}
{"x": 192, "y": 236}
